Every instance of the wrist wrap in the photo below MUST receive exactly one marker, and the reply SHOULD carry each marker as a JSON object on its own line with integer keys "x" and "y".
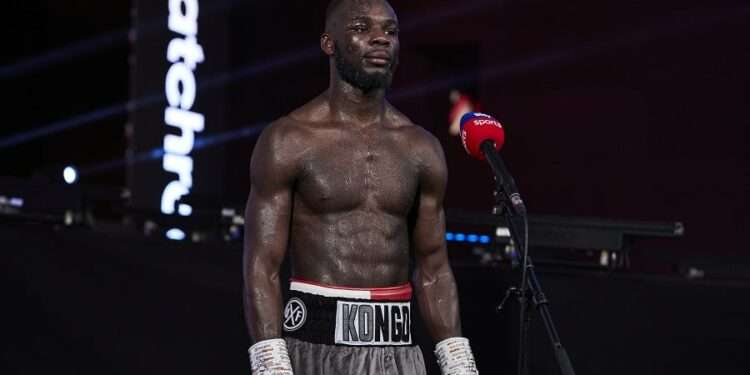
{"x": 455, "y": 357}
{"x": 270, "y": 357}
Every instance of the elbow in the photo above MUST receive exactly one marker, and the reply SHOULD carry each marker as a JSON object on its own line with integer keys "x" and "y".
{"x": 426, "y": 278}
{"x": 258, "y": 271}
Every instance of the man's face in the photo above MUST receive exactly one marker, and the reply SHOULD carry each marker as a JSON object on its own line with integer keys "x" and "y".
{"x": 365, "y": 35}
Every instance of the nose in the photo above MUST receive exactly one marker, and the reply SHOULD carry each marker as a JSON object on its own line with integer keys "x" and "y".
{"x": 380, "y": 38}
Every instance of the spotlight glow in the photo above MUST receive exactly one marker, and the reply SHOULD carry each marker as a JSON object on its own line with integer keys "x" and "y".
{"x": 16, "y": 202}
{"x": 70, "y": 175}
{"x": 176, "y": 235}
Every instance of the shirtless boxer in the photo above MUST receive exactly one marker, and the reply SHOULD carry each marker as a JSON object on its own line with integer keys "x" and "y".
{"x": 350, "y": 186}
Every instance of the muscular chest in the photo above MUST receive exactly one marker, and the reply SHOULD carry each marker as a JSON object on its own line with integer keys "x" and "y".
{"x": 359, "y": 171}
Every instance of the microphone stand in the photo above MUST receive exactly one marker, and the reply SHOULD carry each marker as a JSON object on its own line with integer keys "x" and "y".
{"x": 508, "y": 203}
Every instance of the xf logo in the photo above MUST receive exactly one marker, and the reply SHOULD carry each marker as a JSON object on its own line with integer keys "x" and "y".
{"x": 295, "y": 314}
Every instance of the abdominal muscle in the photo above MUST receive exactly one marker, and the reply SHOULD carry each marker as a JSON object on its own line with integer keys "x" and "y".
{"x": 359, "y": 248}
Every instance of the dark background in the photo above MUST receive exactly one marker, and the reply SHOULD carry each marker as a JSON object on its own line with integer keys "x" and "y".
{"x": 629, "y": 110}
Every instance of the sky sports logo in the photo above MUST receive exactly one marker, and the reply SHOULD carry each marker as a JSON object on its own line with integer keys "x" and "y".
{"x": 478, "y": 119}
{"x": 483, "y": 122}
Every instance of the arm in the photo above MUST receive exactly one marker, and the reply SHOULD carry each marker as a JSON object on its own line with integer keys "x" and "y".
{"x": 433, "y": 281}
{"x": 267, "y": 217}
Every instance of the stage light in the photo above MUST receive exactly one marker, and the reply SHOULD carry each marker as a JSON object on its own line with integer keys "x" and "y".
{"x": 70, "y": 175}
{"x": 502, "y": 232}
{"x": 176, "y": 235}
{"x": 185, "y": 210}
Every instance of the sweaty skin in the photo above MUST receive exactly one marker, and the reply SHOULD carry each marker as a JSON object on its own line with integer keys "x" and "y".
{"x": 337, "y": 181}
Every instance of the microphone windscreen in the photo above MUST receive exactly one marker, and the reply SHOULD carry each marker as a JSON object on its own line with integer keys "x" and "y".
{"x": 478, "y": 127}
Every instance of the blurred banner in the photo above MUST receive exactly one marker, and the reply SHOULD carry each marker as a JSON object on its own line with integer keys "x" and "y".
{"x": 179, "y": 47}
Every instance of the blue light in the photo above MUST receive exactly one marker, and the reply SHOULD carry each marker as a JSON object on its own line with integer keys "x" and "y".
{"x": 468, "y": 237}
{"x": 176, "y": 235}
{"x": 16, "y": 202}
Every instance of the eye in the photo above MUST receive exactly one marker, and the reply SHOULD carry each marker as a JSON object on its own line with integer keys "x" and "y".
{"x": 359, "y": 28}
{"x": 393, "y": 31}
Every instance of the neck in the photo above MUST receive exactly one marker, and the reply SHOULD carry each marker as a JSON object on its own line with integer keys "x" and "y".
{"x": 351, "y": 104}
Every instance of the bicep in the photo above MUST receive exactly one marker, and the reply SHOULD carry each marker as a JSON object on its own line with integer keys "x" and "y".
{"x": 266, "y": 225}
{"x": 269, "y": 205}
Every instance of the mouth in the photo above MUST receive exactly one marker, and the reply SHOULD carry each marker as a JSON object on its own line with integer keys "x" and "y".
{"x": 378, "y": 58}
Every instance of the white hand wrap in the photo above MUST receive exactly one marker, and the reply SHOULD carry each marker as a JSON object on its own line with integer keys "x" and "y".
{"x": 455, "y": 358}
{"x": 270, "y": 357}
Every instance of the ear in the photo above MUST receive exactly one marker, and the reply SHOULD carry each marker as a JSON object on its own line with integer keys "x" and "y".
{"x": 326, "y": 44}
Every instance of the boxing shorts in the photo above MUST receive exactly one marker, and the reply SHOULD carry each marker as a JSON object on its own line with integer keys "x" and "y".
{"x": 330, "y": 315}
{"x": 335, "y": 330}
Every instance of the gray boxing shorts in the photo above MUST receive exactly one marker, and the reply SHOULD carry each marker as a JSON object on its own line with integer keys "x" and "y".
{"x": 333, "y": 330}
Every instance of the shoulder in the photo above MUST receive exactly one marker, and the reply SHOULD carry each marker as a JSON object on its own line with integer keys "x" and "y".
{"x": 278, "y": 135}
{"x": 429, "y": 158}
{"x": 419, "y": 139}
{"x": 428, "y": 152}
{"x": 414, "y": 134}
{"x": 425, "y": 148}
{"x": 283, "y": 142}
{"x": 277, "y": 151}
{"x": 314, "y": 111}
{"x": 294, "y": 129}
{"x": 424, "y": 141}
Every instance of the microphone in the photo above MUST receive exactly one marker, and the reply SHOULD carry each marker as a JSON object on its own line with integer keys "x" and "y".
{"x": 478, "y": 127}
{"x": 483, "y": 137}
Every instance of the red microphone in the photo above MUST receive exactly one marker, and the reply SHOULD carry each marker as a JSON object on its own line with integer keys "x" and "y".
{"x": 483, "y": 137}
{"x": 479, "y": 127}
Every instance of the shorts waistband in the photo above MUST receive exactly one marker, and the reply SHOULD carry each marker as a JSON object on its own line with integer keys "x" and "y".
{"x": 347, "y": 321}
{"x": 394, "y": 293}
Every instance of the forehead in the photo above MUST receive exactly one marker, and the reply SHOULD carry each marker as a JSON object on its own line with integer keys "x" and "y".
{"x": 378, "y": 10}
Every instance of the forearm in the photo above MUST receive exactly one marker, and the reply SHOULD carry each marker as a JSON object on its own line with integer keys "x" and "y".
{"x": 268, "y": 352}
{"x": 438, "y": 301}
{"x": 263, "y": 302}
{"x": 434, "y": 283}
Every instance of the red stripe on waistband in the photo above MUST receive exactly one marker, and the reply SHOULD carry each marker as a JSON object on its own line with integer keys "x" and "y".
{"x": 392, "y": 293}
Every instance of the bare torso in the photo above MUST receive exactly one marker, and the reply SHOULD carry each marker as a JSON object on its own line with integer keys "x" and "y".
{"x": 350, "y": 201}
{"x": 354, "y": 189}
